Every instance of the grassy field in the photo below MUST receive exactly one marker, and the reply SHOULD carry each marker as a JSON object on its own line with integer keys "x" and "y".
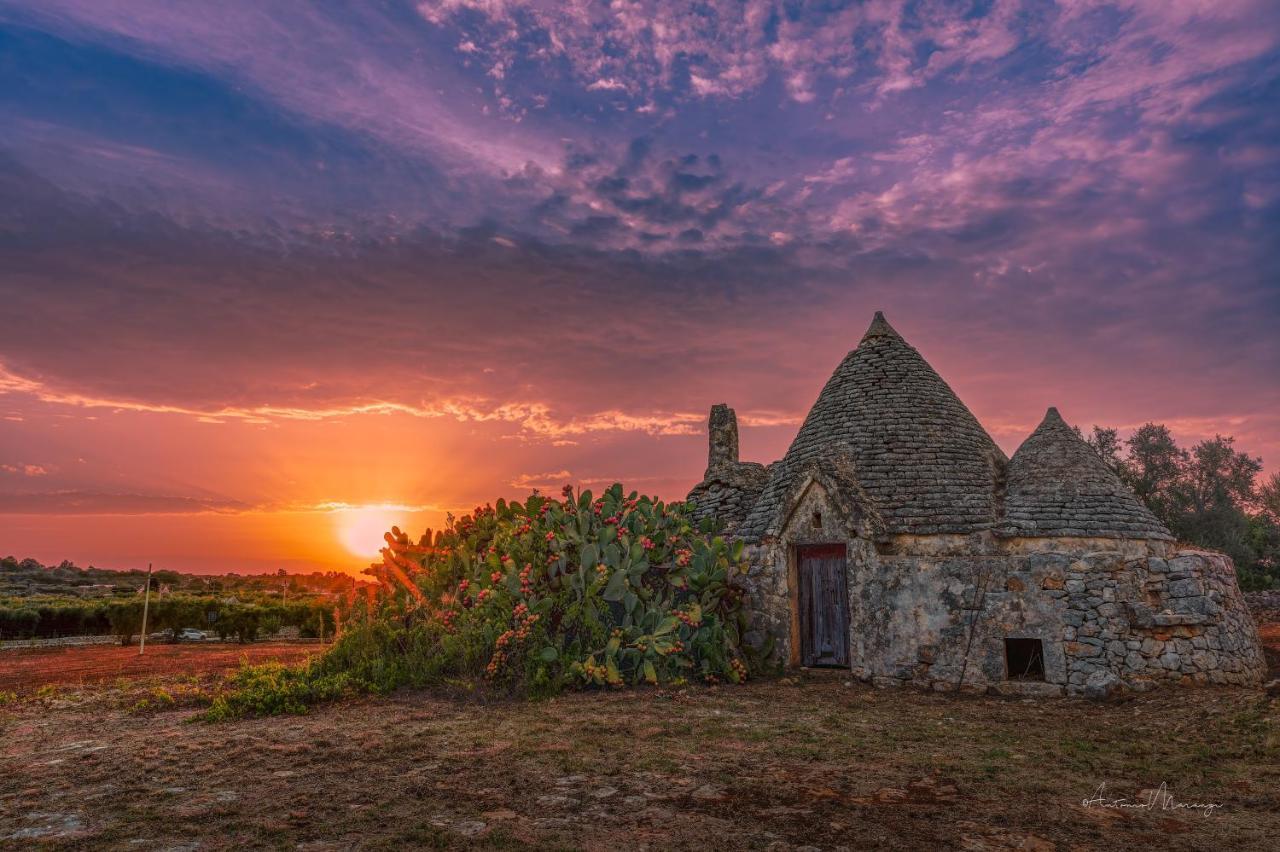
{"x": 807, "y": 761}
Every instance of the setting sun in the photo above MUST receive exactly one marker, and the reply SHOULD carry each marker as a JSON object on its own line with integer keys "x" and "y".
{"x": 360, "y": 529}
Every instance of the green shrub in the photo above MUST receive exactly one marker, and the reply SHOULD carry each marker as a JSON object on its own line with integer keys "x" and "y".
{"x": 18, "y": 622}
{"x": 272, "y": 688}
{"x": 533, "y": 597}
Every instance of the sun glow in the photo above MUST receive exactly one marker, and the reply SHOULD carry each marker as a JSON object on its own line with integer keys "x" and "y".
{"x": 360, "y": 528}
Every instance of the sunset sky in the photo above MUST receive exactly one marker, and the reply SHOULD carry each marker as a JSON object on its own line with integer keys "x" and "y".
{"x": 273, "y": 274}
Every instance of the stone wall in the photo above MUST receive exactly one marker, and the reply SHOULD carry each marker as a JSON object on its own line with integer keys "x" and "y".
{"x": 730, "y": 487}
{"x": 1264, "y": 605}
{"x": 1180, "y": 619}
{"x": 937, "y": 614}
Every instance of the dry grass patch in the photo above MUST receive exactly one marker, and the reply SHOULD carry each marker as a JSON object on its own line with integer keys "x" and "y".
{"x": 810, "y": 761}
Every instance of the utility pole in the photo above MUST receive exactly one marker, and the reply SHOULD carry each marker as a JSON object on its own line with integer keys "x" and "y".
{"x": 146, "y": 601}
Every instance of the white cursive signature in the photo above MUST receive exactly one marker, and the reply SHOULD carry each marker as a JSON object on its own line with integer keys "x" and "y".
{"x": 1159, "y": 798}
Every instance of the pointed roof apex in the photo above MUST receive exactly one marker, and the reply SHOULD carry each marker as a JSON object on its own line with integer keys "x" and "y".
{"x": 880, "y": 328}
{"x": 1057, "y": 486}
{"x": 923, "y": 460}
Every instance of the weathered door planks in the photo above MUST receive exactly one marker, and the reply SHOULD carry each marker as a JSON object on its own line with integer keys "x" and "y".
{"x": 824, "y": 605}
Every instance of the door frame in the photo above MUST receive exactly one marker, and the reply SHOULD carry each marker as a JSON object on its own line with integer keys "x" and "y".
{"x": 793, "y": 584}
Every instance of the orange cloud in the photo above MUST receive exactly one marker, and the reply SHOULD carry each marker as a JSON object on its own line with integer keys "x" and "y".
{"x": 535, "y": 418}
{"x": 25, "y": 469}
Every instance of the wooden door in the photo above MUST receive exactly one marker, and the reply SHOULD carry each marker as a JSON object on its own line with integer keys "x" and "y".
{"x": 824, "y": 605}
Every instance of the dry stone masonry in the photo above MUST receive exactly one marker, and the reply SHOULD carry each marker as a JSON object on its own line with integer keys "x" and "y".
{"x": 729, "y": 488}
{"x": 965, "y": 570}
{"x": 1265, "y": 605}
{"x": 920, "y": 455}
{"x": 1058, "y": 486}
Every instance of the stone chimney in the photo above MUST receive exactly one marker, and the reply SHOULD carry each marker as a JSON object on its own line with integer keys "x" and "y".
{"x": 722, "y": 429}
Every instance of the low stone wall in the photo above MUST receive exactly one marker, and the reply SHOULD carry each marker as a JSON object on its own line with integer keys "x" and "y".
{"x": 1265, "y": 606}
{"x": 59, "y": 642}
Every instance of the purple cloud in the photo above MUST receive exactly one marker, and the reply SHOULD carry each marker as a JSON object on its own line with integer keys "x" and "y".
{"x": 461, "y": 246}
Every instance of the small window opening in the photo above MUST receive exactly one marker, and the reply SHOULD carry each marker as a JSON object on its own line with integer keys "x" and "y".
{"x": 1024, "y": 659}
{"x": 817, "y": 520}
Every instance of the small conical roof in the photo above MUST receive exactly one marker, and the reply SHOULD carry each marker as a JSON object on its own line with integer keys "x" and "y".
{"x": 1059, "y": 486}
{"x": 921, "y": 457}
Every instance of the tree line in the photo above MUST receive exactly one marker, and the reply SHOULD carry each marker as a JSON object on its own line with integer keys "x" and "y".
{"x": 27, "y": 577}
{"x": 1208, "y": 495}
{"x": 244, "y": 621}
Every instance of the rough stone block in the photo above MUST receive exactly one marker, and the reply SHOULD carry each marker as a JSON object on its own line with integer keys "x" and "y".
{"x": 1204, "y": 660}
{"x": 1082, "y": 649}
{"x": 1102, "y": 685}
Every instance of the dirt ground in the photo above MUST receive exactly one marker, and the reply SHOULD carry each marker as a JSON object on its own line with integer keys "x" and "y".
{"x": 1270, "y": 634}
{"x": 806, "y": 761}
{"x": 25, "y": 670}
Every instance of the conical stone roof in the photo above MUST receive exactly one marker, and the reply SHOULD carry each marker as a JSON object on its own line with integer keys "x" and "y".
{"x": 920, "y": 456}
{"x": 1059, "y": 486}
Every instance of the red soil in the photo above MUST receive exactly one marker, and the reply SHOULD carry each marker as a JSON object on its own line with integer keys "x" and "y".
{"x": 27, "y": 669}
{"x": 1270, "y": 634}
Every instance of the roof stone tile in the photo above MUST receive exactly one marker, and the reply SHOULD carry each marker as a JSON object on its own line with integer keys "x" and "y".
{"x": 924, "y": 461}
{"x": 1058, "y": 486}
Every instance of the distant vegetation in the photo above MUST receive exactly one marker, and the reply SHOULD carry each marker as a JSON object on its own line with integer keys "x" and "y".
{"x": 1208, "y": 496}
{"x": 23, "y": 578}
{"x": 243, "y": 620}
{"x": 38, "y": 602}
{"x": 532, "y": 597}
